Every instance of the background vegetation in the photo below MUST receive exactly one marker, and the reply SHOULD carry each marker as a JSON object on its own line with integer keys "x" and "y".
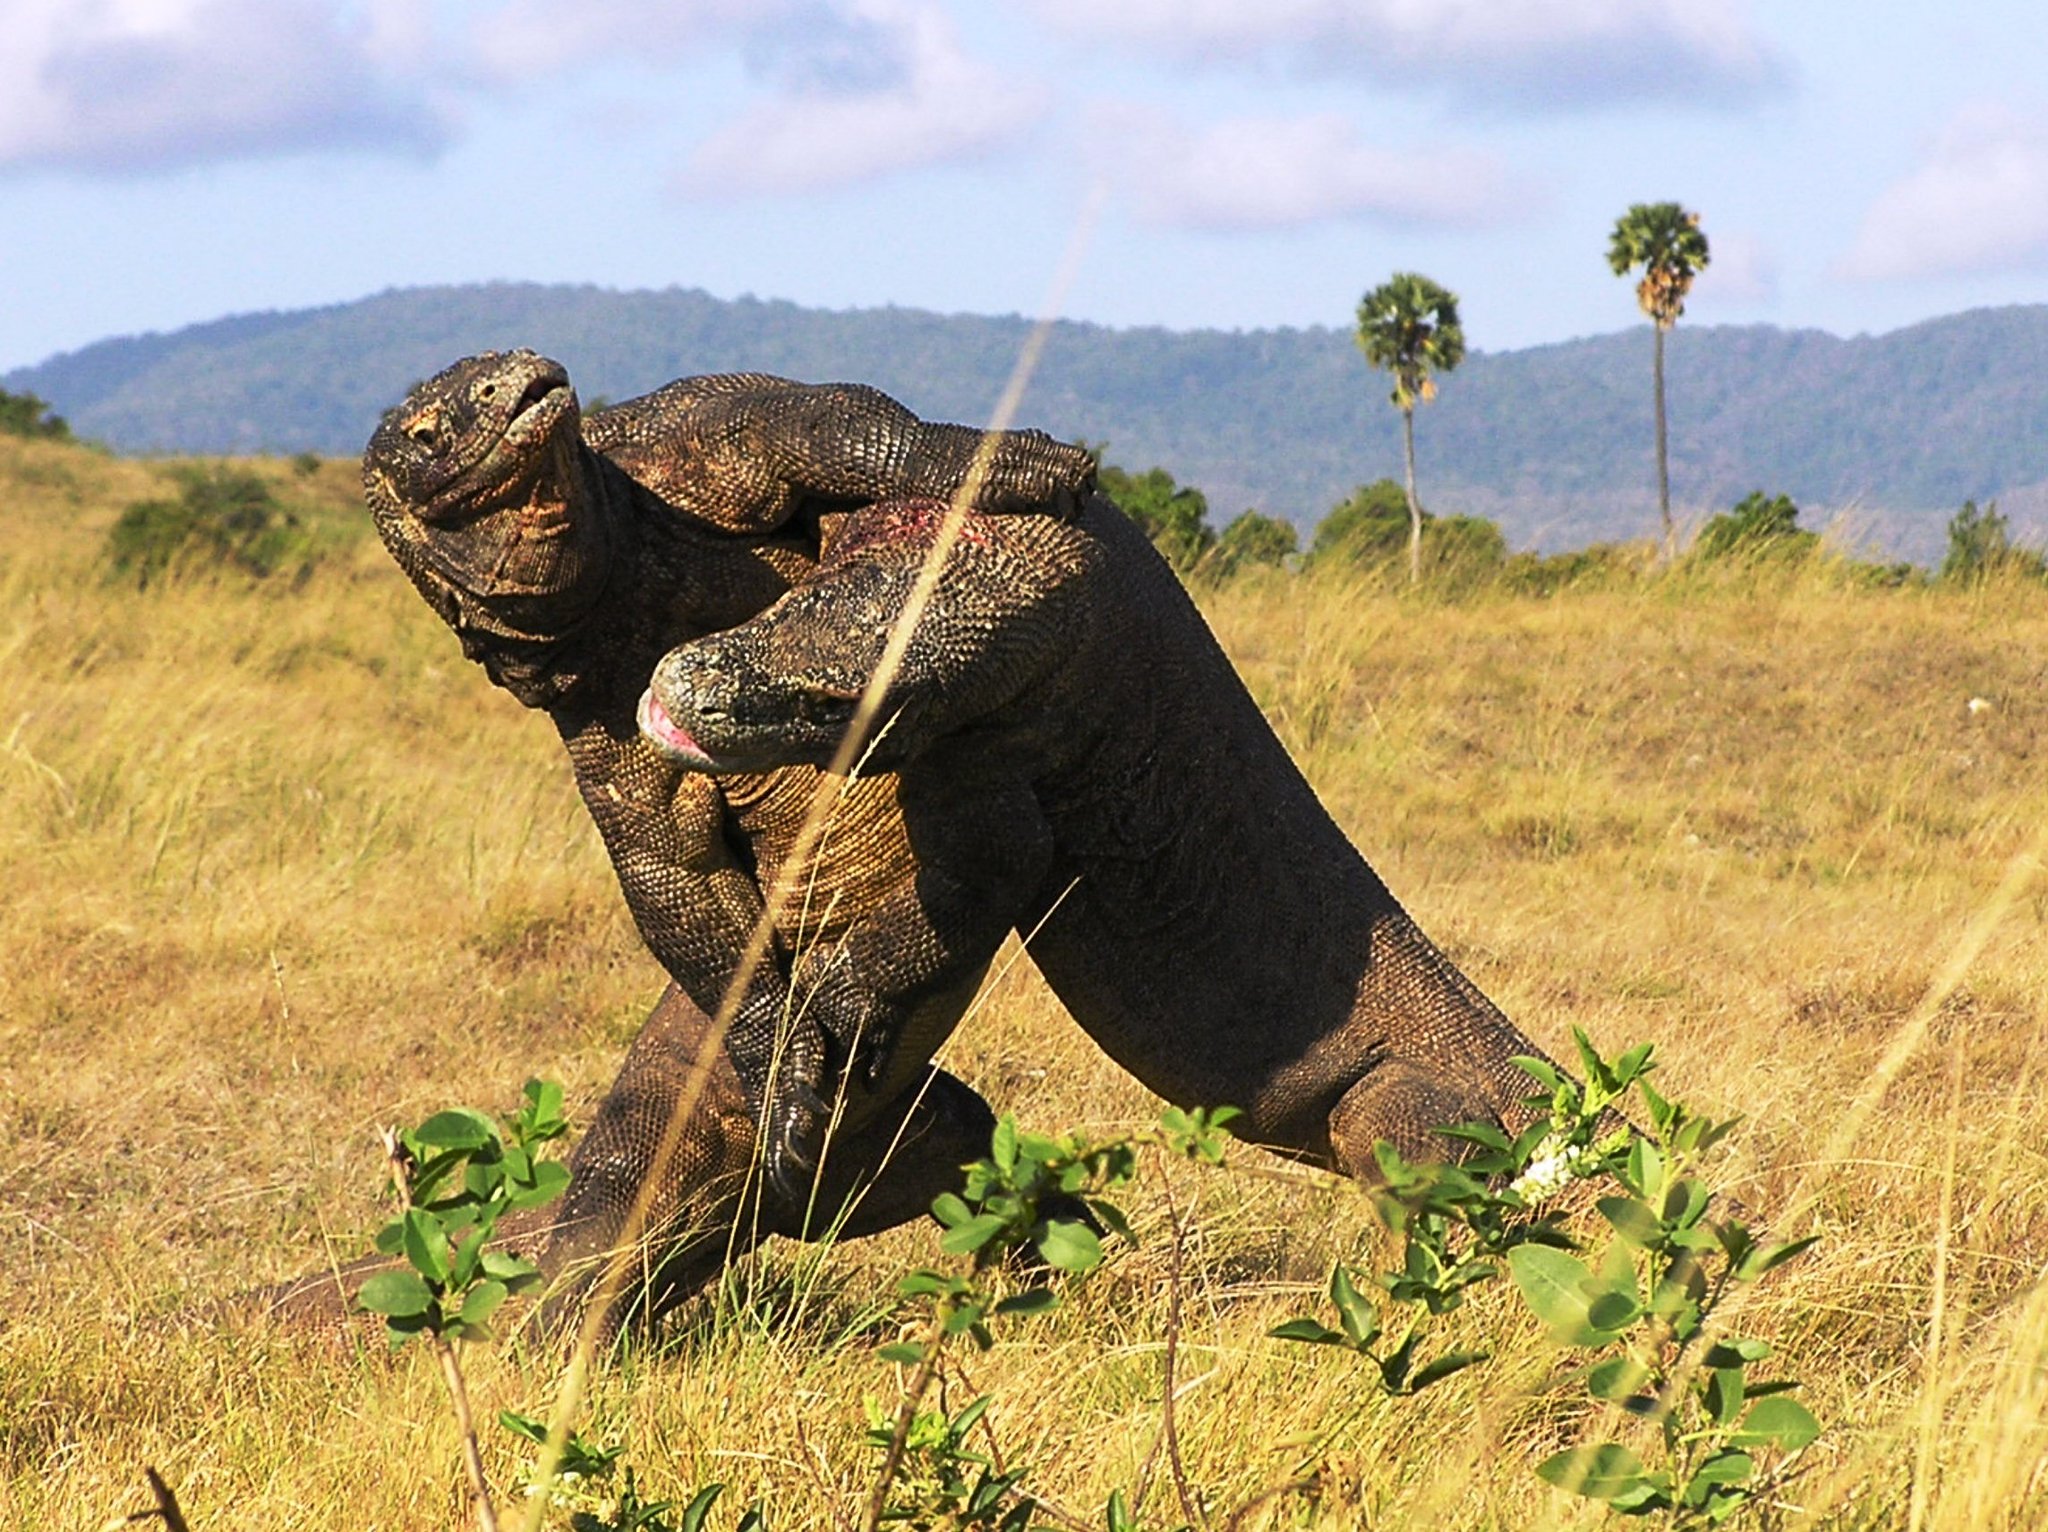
{"x": 276, "y": 868}
{"x": 1554, "y": 442}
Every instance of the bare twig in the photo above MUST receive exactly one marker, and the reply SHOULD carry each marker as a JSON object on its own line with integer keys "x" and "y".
{"x": 1168, "y": 1431}
{"x": 166, "y": 1507}
{"x": 906, "y": 1417}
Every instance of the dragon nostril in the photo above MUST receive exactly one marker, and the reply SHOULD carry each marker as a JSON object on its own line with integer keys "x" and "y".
{"x": 426, "y": 436}
{"x": 488, "y": 391}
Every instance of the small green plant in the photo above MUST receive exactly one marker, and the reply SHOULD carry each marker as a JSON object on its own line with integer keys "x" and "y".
{"x": 1032, "y": 1195}
{"x": 1644, "y": 1309}
{"x": 456, "y": 1175}
{"x": 224, "y": 518}
{"x": 939, "y": 1481}
{"x": 582, "y": 1485}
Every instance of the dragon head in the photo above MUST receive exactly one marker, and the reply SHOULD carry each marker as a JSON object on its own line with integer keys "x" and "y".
{"x": 479, "y": 486}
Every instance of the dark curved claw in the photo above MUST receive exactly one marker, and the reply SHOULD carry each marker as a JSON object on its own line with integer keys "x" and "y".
{"x": 790, "y": 1157}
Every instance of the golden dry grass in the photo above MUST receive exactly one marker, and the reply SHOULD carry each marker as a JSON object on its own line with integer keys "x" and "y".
{"x": 276, "y": 867}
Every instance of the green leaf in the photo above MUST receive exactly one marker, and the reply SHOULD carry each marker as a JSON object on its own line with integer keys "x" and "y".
{"x": 502, "y": 1266}
{"x": 1726, "y": 1467}
{"x": 1778, "y": 1421}
{"x": 1542, "y": 1071}
{"x": 459, "y": 1127}
{"x": 1646, "y": 1169}
{"x": 481, "y": 1302}
{"x": 1634, "y": 1063}
{"x": 1033, "y": 1300}
{"x": 1070, "y": 1246}
{"x": 1116, "y": 1516}
{"x": 1003, "y": 1144}
{"x": 1633, "y": 1221}
{"x": 1662, "y": 1112}
{"x": 1735, "y": 1351}
{"x": 971, "y": 1235}
{"x": 1617, "y": 1378}
{"x": 1443, "y": 1367}
{"x": 550, "y": 1179}
{"x": 395, "y": 1294}
{"x": 1311, "y": 1331}
{"x": 1479, "y": 1133}
{"x": 534, "y": 1430}
{"x": 1360, "y": 1319}
{"x": 542, "y": 1116}
{"x": 699, "y": 1508}
{"x": 1771, "y": 1257}
{"x": 1596, "y": 1068}
{"x": 1722, "y": 1394}
{"x": 1112, "y": 1218}
{"x": 1602, "y": 1472}
{"x": 1554, "y": 1284}
{"x": 902, "y": 1353}
{"x": 1685, "y": 1202}
{"x": 1613, "y": 1312}
{"x": 950, "y": 1210}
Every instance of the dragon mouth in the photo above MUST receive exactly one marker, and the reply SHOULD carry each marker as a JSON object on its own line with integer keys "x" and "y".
{"x": 543, "y": 402}
{"x": 670, "y": 737}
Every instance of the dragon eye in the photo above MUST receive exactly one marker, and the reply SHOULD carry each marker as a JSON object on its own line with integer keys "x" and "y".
{"x": 488, "y": 391}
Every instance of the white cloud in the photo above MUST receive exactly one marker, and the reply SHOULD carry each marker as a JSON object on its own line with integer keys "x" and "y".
{"x": 1742, "y": 272}
{"x": 1979, "y": 203}
{"x": 126, "y": 85}
{"x": 522, "y": 39}
{"x": 888, "y": 89}
{"x": 1553, "y": 54}
{"x": 1280, "y": 172}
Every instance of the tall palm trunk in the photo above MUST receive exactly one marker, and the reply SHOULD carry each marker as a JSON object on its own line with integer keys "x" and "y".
{"x": 1414, "y": 506}
{"x": 1663, "y": 459}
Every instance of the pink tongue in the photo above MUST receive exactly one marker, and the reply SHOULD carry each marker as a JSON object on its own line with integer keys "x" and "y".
{"x": 655, "y": 720}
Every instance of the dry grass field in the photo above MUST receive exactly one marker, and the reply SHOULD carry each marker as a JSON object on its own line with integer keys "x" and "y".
{"x": 277, "y": 867}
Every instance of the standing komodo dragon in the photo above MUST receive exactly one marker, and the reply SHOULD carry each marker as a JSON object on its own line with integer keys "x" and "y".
{"x": 566, "y": 576}
{"x": 1200, "y": 914}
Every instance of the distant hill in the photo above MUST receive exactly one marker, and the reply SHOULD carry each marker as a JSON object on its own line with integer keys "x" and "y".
{"x": 1554, "y": 441}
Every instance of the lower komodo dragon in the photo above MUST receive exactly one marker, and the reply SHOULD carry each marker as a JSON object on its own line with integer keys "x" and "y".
{"x": 566, "y": 572}
{"x": 1197, "y": 910}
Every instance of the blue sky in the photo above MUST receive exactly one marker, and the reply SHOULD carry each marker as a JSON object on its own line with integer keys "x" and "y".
{"x": 1249, "y": 162}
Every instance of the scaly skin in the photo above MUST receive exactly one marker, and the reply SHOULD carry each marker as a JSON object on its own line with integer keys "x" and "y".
{"x": 1203, "y": 918}
{"x": 566, "y": 578}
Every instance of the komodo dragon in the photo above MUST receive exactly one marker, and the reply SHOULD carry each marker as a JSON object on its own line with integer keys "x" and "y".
{"x": 566, "y": 576}
{"x": 1200, "y": 914}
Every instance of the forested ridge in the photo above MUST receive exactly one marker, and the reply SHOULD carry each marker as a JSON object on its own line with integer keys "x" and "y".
{"x": 1554, "y": 442}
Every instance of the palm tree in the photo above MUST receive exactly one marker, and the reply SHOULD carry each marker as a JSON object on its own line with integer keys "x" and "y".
{"x": 1408, "y": 326}
{"x": 1665, "y": 240}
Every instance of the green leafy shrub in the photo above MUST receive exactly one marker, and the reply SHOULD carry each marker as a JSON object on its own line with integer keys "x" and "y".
{"x": 1980, "y": 547}
{"x": 1756, "y": 528}
{"x": 1253, "y": 539}
{"x": 1647, "y": 1315}
{"x": 1600, "y": 566}
{"x": 1369, "y": 531}
{"x": 224, "y": 519}
{"x": 26, "y": 415}
{"x": 1174, "y": 516}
